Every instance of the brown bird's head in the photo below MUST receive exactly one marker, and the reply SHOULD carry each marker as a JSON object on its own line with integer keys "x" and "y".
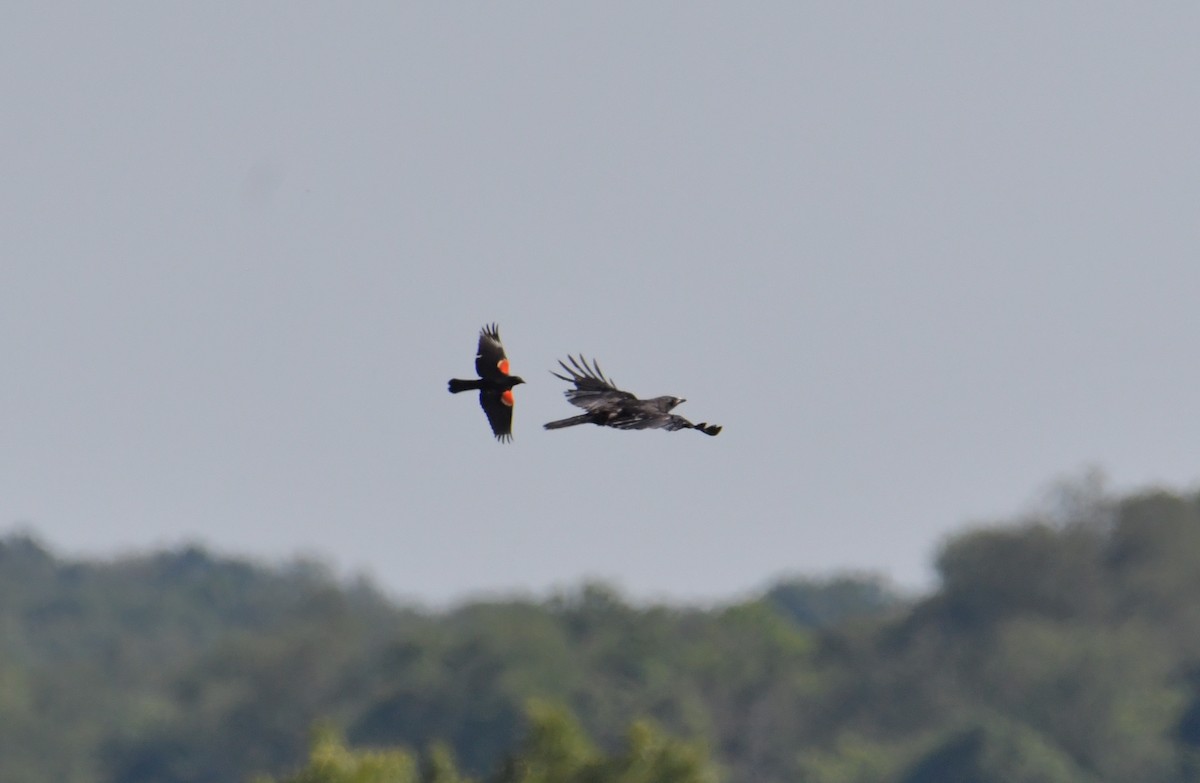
{"x": 666, "y": 403}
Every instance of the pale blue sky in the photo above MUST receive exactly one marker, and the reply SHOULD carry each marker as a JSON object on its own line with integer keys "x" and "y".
{"x": 918, "y": 259}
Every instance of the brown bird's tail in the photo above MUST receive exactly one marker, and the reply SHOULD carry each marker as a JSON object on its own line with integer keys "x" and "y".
{"x": 571, "y": 422}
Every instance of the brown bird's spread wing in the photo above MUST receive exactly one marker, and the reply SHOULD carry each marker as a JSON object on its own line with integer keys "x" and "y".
{"x": 592, "y": 392}
{"x": 665, "y": 421}
{"x": 608, "y": 406}
{"x": 641, "y": 419}
{"x": 490, "y": 361}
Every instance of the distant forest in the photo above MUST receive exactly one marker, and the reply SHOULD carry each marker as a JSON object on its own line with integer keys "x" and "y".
{"x": 1058, "y": 647}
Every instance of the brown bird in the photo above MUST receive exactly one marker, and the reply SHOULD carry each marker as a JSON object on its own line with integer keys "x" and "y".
{"x": 608, "y": 406}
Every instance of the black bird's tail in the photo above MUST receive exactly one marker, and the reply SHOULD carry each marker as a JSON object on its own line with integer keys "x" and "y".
{"x": 707, "y": 429}
{"x": 585, "y": 418}
{"x": 457, "y": 385}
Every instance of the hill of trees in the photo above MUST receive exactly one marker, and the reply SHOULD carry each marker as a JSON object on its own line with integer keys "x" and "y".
{"x": 1057, "y": 648}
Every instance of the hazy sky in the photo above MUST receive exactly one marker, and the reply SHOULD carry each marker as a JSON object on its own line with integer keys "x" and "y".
{"x": 919, "y": 259}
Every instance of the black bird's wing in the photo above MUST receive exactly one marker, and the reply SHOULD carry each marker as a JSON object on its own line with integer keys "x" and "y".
{"x": 497, "y": 404}
{"x": 491, "y": 361}
{"x": 592, "y": 392}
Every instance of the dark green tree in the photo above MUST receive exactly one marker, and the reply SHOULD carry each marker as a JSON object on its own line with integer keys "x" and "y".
{"x": 996, "y": 751}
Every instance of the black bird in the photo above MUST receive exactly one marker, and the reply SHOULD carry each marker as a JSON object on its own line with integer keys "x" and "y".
{"x": 494, "y": 383}
{"x": 608, "y": 406}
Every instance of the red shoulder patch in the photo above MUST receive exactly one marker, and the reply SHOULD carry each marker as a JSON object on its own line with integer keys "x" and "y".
{"x": 507, "y": 397}
{"x": 502, "y": 366}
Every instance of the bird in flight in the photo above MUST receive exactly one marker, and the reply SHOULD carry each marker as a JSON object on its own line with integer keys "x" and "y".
{"x": 494, "y": 383}
{"x": 608, "y": 406}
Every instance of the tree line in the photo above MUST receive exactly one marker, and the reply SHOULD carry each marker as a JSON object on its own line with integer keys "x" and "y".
{"x": 1060, "y": 646}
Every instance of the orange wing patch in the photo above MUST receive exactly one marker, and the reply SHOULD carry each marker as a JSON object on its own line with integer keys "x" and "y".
{"x": 502, "y": 366}
{"x": 507, "y": 397}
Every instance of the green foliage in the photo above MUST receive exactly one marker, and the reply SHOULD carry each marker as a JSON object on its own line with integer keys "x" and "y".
{"x": 650, "y": 756}
{"x": 330, "y": 761}
{"x": 555, "y": 749}
{"x": 439, "y": 766}
{"x": 1034, "y": 569}
{"x": 830, "y": 603}
{"x": 1102, "y": 694}
{"x": 852, "y": 758}
{"x": 996, "y": 751}
{"x": 1064, "y": 646}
